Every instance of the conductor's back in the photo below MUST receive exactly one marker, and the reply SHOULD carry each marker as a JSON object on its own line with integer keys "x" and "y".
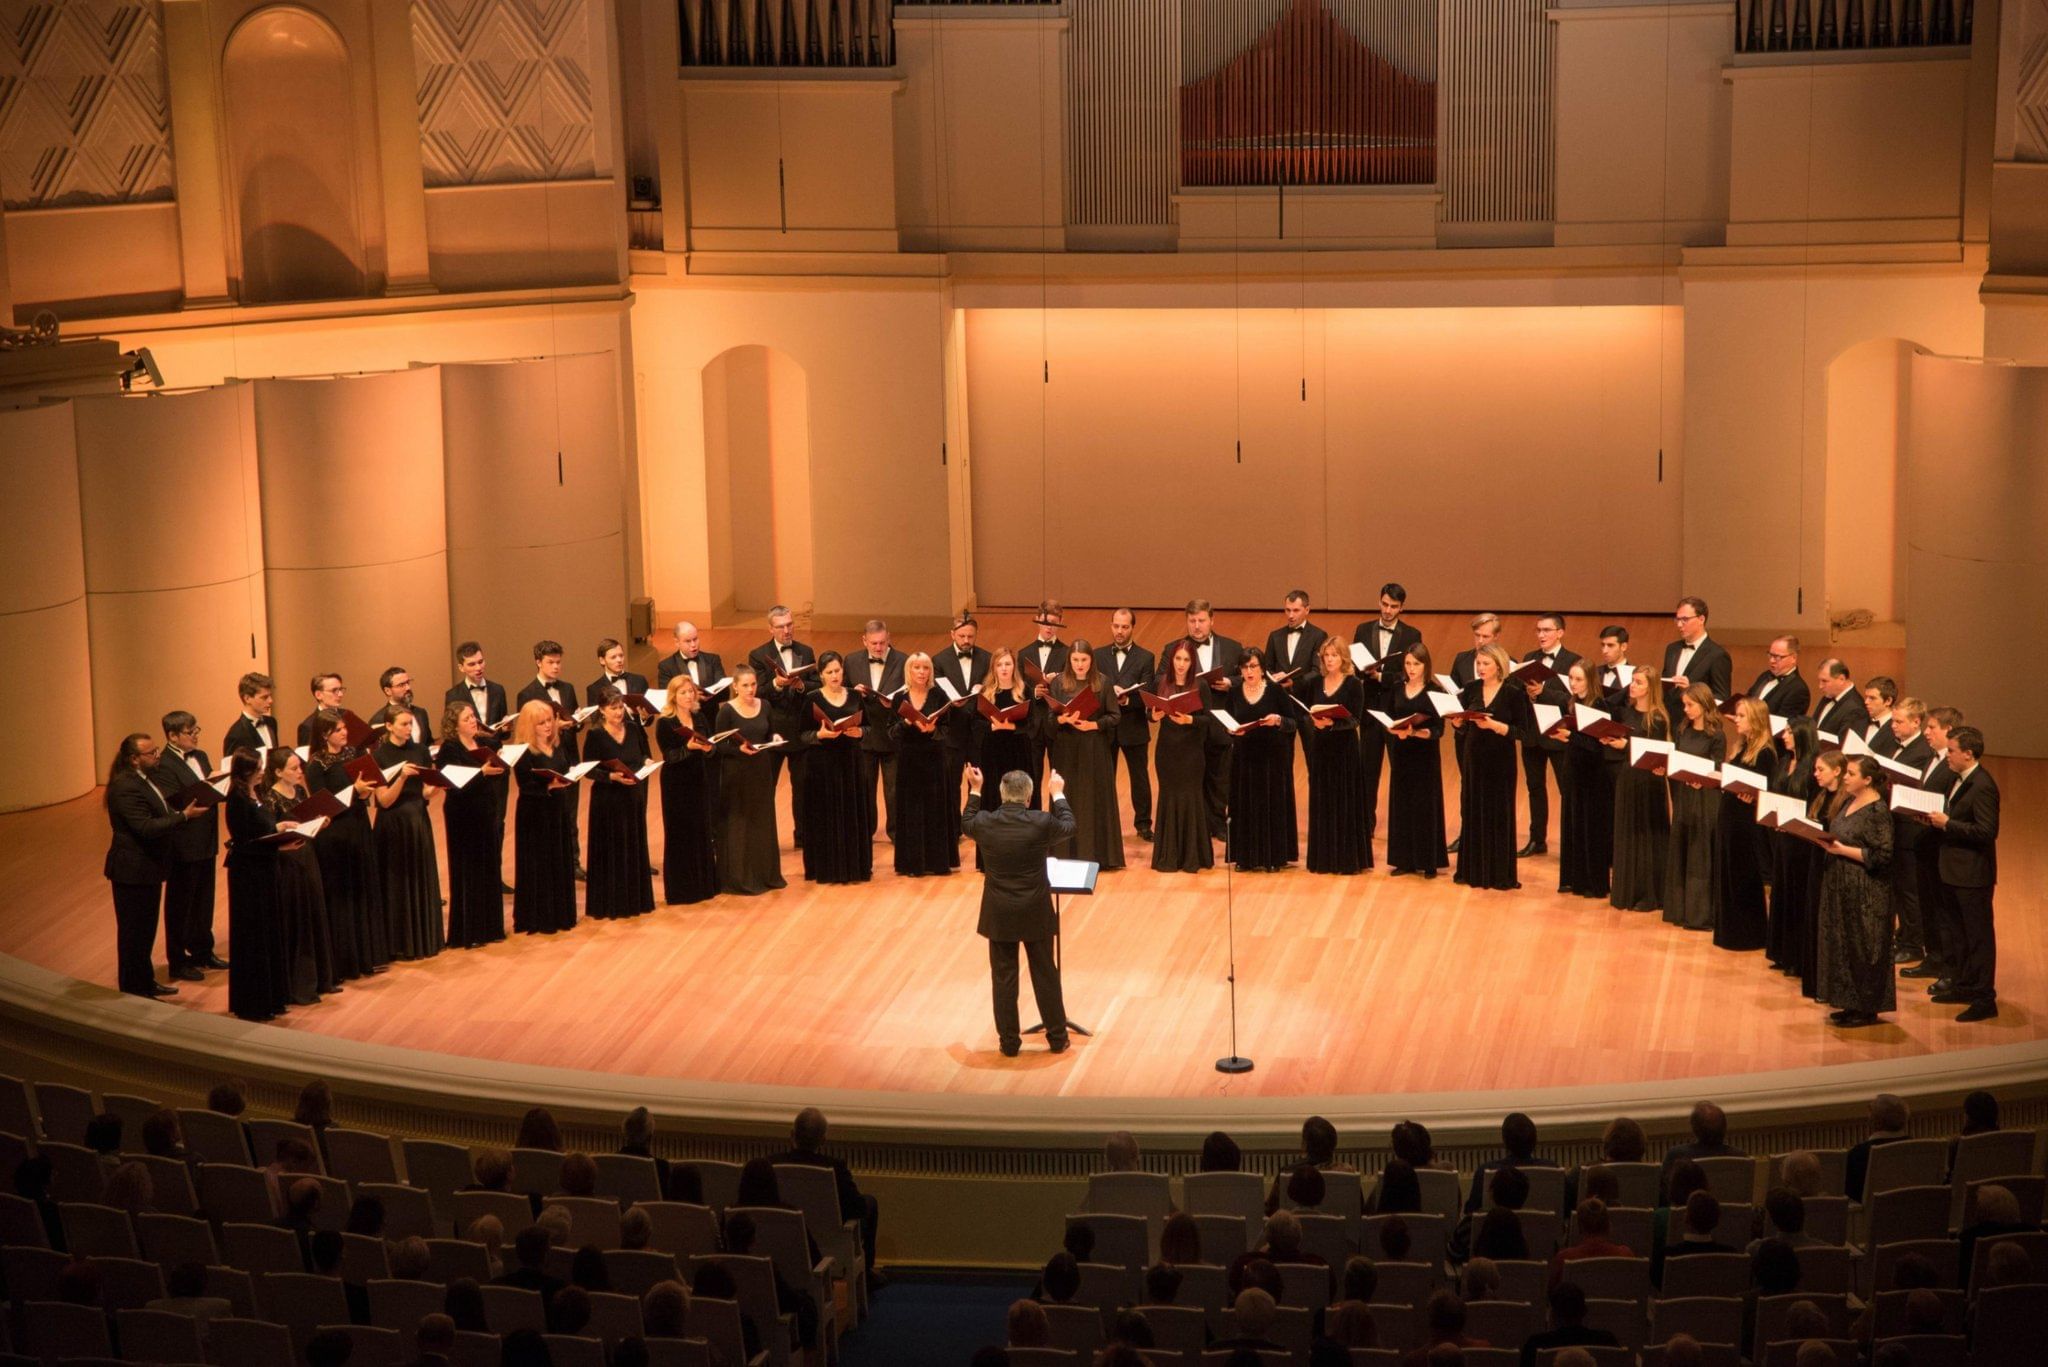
{"x": 1016, "y": 896}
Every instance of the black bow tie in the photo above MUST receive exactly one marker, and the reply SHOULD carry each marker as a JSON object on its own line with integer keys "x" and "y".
{"x": 878, "y": 659}
{"x": 967, "y": 655}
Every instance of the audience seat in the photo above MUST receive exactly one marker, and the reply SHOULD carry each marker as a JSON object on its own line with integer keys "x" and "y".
{"x": 371, "y": 1346}
{"x": 1119, "y": 1239}
{"x": 1328, "y": 1237}
{"x": 1076, "y": 1328}
{"x": 440, "y": 1170}
{"x": 1626, "y": 1320}
{"x": 360, "y": 1156}
{"x": 720, "y": 1180}
{"x": 1825, "y": 1268}
{"x": 260, "y": 1249}
{"x": 614, "y": 1317}
{"x": 21, "y": 1223}
{"x": 408, "y": 1211}
{"x": 363, "y": 1259}
{"x": 1986, "y": 1157}
{"x": 473, "y": 1349}
{"x": 92, "y": 1231}
{"x": 451, "y": 1259}
{"x": 2026, "y": 1191}
{"x": 1890, "y": 1313}
{"x": 1709, "y": 1319}
{"x": 1429, "y": 1236}
{"x": 630, "y": 1179}
{"x": 1614, "y": 1279}
{"x": 2006, "y": 1327}
{"x": 1706, "y": 1274}
{"x": 265, "y": 1133}
{"x": 508, "y": 1309}
{"x": 1980, "y": 1257}
{"x": 1179, "y": 1329}
{"x": 17, "y": 1111}
{"x": 158, "y": 1336}
{"x": 211, "y": 1137}
{"x": 302, "y": 1302}
{"x": 1884, "y": 1259}
{"x": 1407, "y": 1284}
{"x": 1223, "y": 1237}
{"x": 1503, "y": 1323}
{"x": 232, "y": 1193}
{"x": 1731, "y": 1179}
{"x": 514, "y": 1211}
{"x": 1443, "y": 1192}
{"x": 31, "y": 1273}
{"x": 573, "y": 1350}
{"x": 1786, "y": 1354}
{"x": 241, "y": 1342}
{"x": 1906, "y": 1163}
{"x": 592, "y": 1220}
{"x": 1238, "y": 1194}
{"x": 170, "y": 1184}
{"x": 399, "y": 1304}
{"x": 1108, "y": 1286}
{"x": 1527, "y": 1282}
{"x": 633, "y": 1271}
{"x": 1602, "y": 1357}
{"x": 536, "y": 1172}
{"x": 1641, "y": 1184}
{"x": 1932, "y": 1350}
{"x": 1711, "y": 1355}
{"x": 128, "y": 1283}
{"x": 65, "y": 1110}
{"x": 682, "y": 1229}
{"x": 75, "y": 1171}
{"x": 717, "y": 1322}
{"x": 1771, "y": 1312}
{"x": 1306, "y": 1285}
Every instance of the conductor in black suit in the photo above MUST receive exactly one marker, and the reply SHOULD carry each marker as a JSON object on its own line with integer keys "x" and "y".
{"x": 1016, "y": 897}
{"x": 1214, "y": 653}
{"x": 1551, "y": 651}
{"x": 1386, "y": 637}
{"x": 1128, "y": 665}
{"x": 1779, "y": 687}
{"x": 1693, "y": 658}
{"x": 139, "y": 858}
{"x": 193, "y": 847}
{"x": 1840, "y": 709}
{"x": 1968, "y": 823}
{"x": 788, "y": 696}
{"x": 964, "y": 665}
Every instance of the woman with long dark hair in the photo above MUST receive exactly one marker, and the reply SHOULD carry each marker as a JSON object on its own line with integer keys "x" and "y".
{"x": 301, "y": 900}
{"x": 347, "y": 850}
{"x": 1795, "y": 863}
{"x": 620, "y": 881}
{"x": 1486, "y": 839}
{"x": 1415, "y": 768}
{"x": 1180, "y": 819}
{"x": 1642, "y": 801}
{"x": 1262, "y": 835}
{"x": 259, "y": 975}
{"x": 405, "y": 843}
{"x": 1857, "y": 976}
{"x": 837, "y": 846}
{"x": 1081, "y": 745}
{"x": 1585, "y": 786}
{"x": 474, "y": 832}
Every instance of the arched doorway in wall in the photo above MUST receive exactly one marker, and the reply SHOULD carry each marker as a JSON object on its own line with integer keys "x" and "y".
{"x": 757, "y": 476}
{"x": 1864, "y": 538}
{"x": 287, "y": 92}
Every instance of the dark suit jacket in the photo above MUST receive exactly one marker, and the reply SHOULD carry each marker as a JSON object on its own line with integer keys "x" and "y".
{"x": 874, "y": 732}
{"x": 1055, "y": 660}
{"x": 1368, "y": 633}
{"x": 790, "y": 706}
{"x": 1554, "y": 691}
{"x": 1133, "y": 722}
{"x": 535, "y": 691}
{"x": 244, "y": 735}
{"x": 1463, "y": 670}
{"x": 1881, "y": 739}
{"x": 142, "y": 823}
{"x": 1710, "y": 666}
{"x": 710, "y": 669}
{"x": 1225, "y": 654}
{"x": 1016, "y": 897}
{"x": 197, "y": 840}
{"x": 307, "y": 727}
{"x": 422, "y": 724}
{"x": 632, "y": 683}
{"x": 956, "y": 729}
{"x": 1790, "y": 698}
{"x": 1305, "y": 674}
{"x": 1969, "y": 843}
{"x": 495, "y": 706}
{"x": 1845, "y": 714}
{"x": 1907, "y": 833}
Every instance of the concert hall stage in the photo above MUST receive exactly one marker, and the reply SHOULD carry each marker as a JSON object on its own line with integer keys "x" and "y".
{"x": 1368, "y": 998}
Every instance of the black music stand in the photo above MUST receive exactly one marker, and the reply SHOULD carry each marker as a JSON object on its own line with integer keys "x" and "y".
{"x": 1075, "y": 878}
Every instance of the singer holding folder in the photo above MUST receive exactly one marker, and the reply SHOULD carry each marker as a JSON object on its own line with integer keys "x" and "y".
{"x": 1335, "y": 700}
{"x": 1642, "y": 801}
{"x": 749, "y": 851}
{"x": 347, "y": 850}
{"x": 405, "y": 844}
{"x": 259, "y": 982}
{"x": 1695, "y": 817}
{"x": 1261, "y": 769}
{"x": 1741, "y": 918}
{"x": 837, "y": 846}
{"x": 1004, "y": 738}
{"x": 544, "y": 826}
{"x": 1080, "y": 720}
{"x": 1486, "y": 838}
{"x": 1181, "y": 842}
{"x": 1415, "y": 771}
{"x": 475, "y": 832}
{"x": 689, "y": 864}
{"x": 1016, "y": 898}
{"x": 924, "y": 822}
{"x": 301, "y": 901}
{"x": 621, "y": 882}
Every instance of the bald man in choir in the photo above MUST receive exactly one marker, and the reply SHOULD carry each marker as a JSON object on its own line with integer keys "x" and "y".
{"x": 1780, "y": 686}
{"x": 1840, "y": 711}
{"x": 704, "y": 668}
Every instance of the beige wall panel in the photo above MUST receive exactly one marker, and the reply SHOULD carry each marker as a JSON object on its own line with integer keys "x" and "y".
{"x": 531, "y": 555}
{"x": 354, "y": 527}
{"x": 1866, "y": 570}
{"x": 173, "y": 554}
{"x": 1978, "y": 476}
{"x": 60, "y": 256}
{"x": 1412, "y": 418}
{"x": 42, "y": 611}
{"x": 483, "y": 237}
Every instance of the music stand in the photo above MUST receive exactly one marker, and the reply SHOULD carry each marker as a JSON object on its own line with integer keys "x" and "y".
{"x": 1075, "y": 878}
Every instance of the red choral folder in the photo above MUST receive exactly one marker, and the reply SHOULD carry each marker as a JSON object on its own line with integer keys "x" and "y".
{"x": 1081, "y": 707}
{"x": 1186, "y": 704}
{"x": 1018, "y": 713}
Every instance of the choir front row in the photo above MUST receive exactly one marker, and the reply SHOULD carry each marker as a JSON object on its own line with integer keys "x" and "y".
{"x": 1659, "y": 812}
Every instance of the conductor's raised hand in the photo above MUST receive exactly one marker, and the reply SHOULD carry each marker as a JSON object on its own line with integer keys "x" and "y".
{"x": 973, "y": 781}
{"x": 1055, "y": 785}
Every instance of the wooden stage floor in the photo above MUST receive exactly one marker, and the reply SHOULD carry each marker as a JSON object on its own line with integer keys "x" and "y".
{"x": 1346, "y": 986}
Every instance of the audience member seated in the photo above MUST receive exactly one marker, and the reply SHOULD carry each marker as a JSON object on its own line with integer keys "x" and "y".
{"x": 568, "y": 1311}
{"x": 1128, "y": 1328}
{"x": 103, "y": 1137}
{"x": 636, "y": 1229}
{"x": 1412, "y": 1144}
{"x": 227, "y": 1098}
{"x": 1593, "y": 1241}
{"x": 409, "y": 1259}
{"x": 130, "y": 1188}
{"x": 665, "y": 1310}
{"x": 1980, "y": 1116}
{"x": 464, "y": 1304}
{"x": 1518, "y": 1144}
{"x": 579, "y": 1175}
{"x": 1998, "y": 1212}
{"x": 489, "y": 1231}
{"x": 163, "y": 1137}
{"x": 1318, "y": 1151}
{"x": 807, "y": 1147}
{"x": 187, "y": 1287}
{"x": 293, "y": 1157}
{"x": 1348, "y": 1323}
{"x": 537, "y": 1130}
{"x": 1120, "y": 1153}
{"x": 1219, "y": 1154}
{"x": 1060, "y": 1279}
{"x": 493, "y": 1171}
{"x": 586, "y": 1268}
{"x": 1500, "y": 1236}
{"x": 1398, "y": 1192}
{"x": 1028, "y": 1327}
{"x": 1567, "y": 1325}
{"x": 1774, "y": 1268}
{"x": 1255, "y": 1310}
{"x": 1600, "y": 1183}
{"x": 1709, "y": 1136}
{"x": 331, "y": 1348}
{"x": 1785, "y": 1219}
{"x": 1282, "y": 1244}
{"x": 1162, "y": 1285}
{"x": 1889, "y": 1116}
{"x": 1445, "y": 1322}
{"x": 435, "y": 1342}
{"x": 685, "y": 1184}
{"x": 2008, "y": 1264}
{"x": 530, "y": 1254}
{"x": 1079, "y": 1240}
{"x": 1507, "y": 1188}
{"x": 324, "y": 1253}
{"x": 636, "y": 1140}
{"x": 1180, "y": 1239}
{"x": 315, "y": 1108}
{"x": 1685, "y": 1178}
{"x": 365, "y": 1216}
{"x": 1119, "y": 1355}
{"x": 1305, "y": 1189}
{"x": 1479, "y": 1280}
{"x": 1622, "y": 1141}
{"x": 1683, "y": 1350}
{"x": 1696, "y": 1229}
{"x": 1395, "y": 1240}
{"x": 1804, "y": 1320}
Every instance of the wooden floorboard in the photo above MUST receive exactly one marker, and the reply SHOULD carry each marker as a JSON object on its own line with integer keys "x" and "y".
{"x": 1345, "y": 985}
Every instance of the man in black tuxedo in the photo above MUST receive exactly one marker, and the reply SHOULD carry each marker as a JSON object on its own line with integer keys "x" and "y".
{"x": 191, "y": 851}
{"x": 328, "y": 691}
{"x": 396, "y": 683}
{"x": 547, "y": 685}
{"x": 1840, "y": 710}
{"x": 963, "y": 666}
{"x": 1016, "y": 898}
{"x": 1944, "y": 939}
{"x": 1693, "y": 658}
{"x": 475, "y": 688}
{"x": 1615, "y": 668}
{"x": 139, "y": 858}
{"x": 1485, "y": 632}
{"x": 876, "y": 673}
{"x": 255, "y": 729}
{"x": 1968, "y": 823}
{"x": 1879, "y": 694}
{"x": 1780, "y": 687}
{"x": 1909, "y": 837}
{"x": 1044, "y": 657}
{"x": 1220, "y": 653}
{"x": 788, "y": 697}
{"x": 1386, "y": 637}
{"x": 1550, "y": 649}
{"x": 1291, "y": 662}
{"x": 1129, "y": 667}
{"x": 703, "y": 667}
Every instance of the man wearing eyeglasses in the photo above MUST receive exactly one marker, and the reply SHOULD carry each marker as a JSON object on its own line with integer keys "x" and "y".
{"x": 1692, "y": 658}
{"x": 1779, "y": 687}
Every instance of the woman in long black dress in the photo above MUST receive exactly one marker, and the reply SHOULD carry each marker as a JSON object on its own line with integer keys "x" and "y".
{"x": 1857, "y": 976}
{"x": 1741, "y": 917}
{"x": 1336, "y": 773}
{"x": 1795, "y": 863}
{"x": 544, "y": 828}
{"x": 1003, "y": 743}
{"x": 347, "y": 851}
{"x": 837, "y": 846}
{"x": 924, "y": 840}
{"x": 1083, "y": 751}
{"x": 1415, "y": 768}
{"x": 1827, "y": 802}
{"x": 1181, "y": 842}
{"x": 689, "y": 858}
{"x": 469, "y": 819}
{"x": 259, "y": 975}
{"x": 1585, "y": 786}
{"x": 621, "y": 881}
{"x": 405, "y": 844}
{"x": 301, "y": 901}
{"x": 1486, "y": 848}
{"x": 1695, "y": 819}
{"x": 749, "y": 851}
{"x": 1262, "y": 835}
{"x": 1642, "y": 801}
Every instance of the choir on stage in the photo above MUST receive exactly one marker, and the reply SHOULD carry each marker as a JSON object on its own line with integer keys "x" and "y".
{"x": 1849, "y": 836}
